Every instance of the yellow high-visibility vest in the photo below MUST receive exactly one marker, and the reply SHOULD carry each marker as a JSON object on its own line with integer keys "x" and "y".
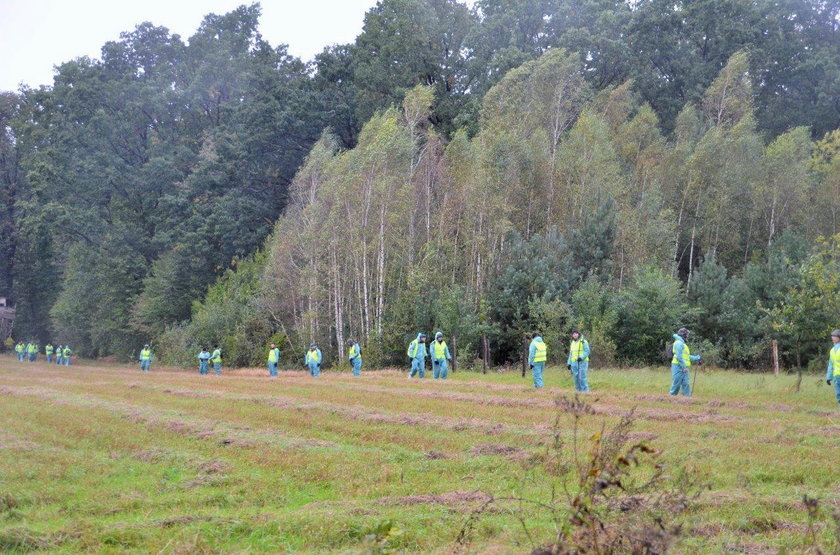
{"x": 686, "y": 355}
{"x": 540, "y": 351}
{"x": 439, "y": 350}
{"x": 145, "y": 354}
{"x": 274, "y": 355}
{"x": 834, "y": 355}
{"x": 576, "y": 349}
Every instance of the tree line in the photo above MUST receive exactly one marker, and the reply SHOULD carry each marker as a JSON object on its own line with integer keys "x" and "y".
{"x": 487, "y": 171}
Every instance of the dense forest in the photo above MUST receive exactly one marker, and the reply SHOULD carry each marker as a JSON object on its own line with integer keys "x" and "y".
{"x": 621, "y": 167}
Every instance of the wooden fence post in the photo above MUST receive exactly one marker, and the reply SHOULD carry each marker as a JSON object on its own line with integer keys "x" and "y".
{"x": 525, "y": 348}
{"x": 775, "y": 347}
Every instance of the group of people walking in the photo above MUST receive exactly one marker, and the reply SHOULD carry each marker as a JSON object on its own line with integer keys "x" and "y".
{"x": 580, "y": 351}
{"x": 205, "y": 358}
{"x": 577, "y": 362}
{"x": 438, "y": 354}
{"x": 314, "y": 358}
{"x": 29, "y": 352}
{"x": 440, "y": 357}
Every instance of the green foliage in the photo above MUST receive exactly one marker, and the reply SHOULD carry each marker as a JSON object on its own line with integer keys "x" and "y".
{"x": 810, "y": 307}
{"x": 35, "y": 284}
{"x": 726, "y": 315}
{"x": 550, "y": 318}
{"x": 229, "y": 316}
{"x": 536, "y": 272}
{"x": 650, "y": 311}
{"x": 405, "y": 43}
{"x": 91, "y": 312}
{"x": 591, "y": 244}
{"x": 595, "y": 312}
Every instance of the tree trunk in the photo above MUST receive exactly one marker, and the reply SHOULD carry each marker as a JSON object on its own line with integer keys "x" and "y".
{"x": 454, "y": 353}
{"x": 380, "y": 293}
{"x": 691, "y": 248}
{"x": 485, "y": 348}
{"x": 339, "y": 301}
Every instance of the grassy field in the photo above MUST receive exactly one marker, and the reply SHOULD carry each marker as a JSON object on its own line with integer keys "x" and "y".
{"x": 104, "y": 458}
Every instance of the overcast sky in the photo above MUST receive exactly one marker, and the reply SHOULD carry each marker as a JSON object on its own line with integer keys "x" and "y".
{"x": 36, "y": 35}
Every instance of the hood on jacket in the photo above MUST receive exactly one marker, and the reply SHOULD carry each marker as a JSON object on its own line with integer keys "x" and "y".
{"x": 438, "y": 334}
{"x": 678, "y": 338}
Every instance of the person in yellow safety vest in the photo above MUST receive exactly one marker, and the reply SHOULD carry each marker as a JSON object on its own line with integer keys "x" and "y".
{"x": 355, "y": 356}
{"x": 439, "y": 353}
{"x": 203, "y": 358}
{"x": 49, "y": 351}
{"x": 578, "y": 362}
{"x": 273, "y": 360}
{"x": 537, "y": 356}
{"x": 59, "y": 352}
{"x": 145, "y": 358}
{"x": 313, "y": 360}
{"x": 19, "y": 348}
{"x": 833, "y": 372}
{"x": 66, "y": 354}
{"x": 417, "y": 353}
{"x": 216, "y": 359}
{"x": 32, "y": 351}
{"x": 681, "y": 363}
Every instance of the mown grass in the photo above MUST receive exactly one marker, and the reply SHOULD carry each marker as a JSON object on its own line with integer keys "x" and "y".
{"x": 104, "y": 458}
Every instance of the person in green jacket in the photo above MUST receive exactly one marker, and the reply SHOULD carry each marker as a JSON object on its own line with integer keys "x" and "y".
{"x": 537, "y": 356}
{"x": 216, "y": 359}
{"x": 32, "y": 351}
{"x": 355, "y": 356}
{"x": 417, "y": 354}
{"x": 680, "y": 364}
{"x": 203, "y": 360}
{"x": 19, "y": 349}
{"x": 66, "y": 354}
{"x": 439, "y": 353}
{"x": 578, "y": 361}
{"x": 273, "y": 360}
{"x": 145, "y": 358}
{"x": 313, "y": 360}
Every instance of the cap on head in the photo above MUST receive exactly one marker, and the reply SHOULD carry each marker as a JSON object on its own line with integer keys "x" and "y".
{"x": 683, "y": 332}
{"x": 313, "y": 345}
{"x": 835, "y": 333}
{"x": 438, "y": 334}
{"x": 146, "y": 345}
